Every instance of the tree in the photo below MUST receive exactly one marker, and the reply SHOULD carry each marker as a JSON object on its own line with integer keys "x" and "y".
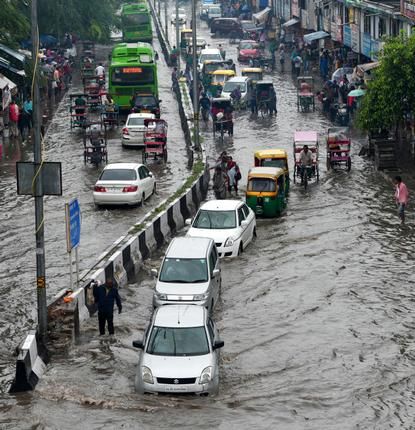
{"x": 391, "y": 94}
{"x": 14, "y": 24}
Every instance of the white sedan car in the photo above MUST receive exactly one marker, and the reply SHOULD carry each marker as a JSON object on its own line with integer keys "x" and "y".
{"x": 230, "y": 223}
{"x": 124, "y": 184}
{"x": 133, "y": 131}
{"x": 180, "y": 352}
{"x": 181, "y": 15}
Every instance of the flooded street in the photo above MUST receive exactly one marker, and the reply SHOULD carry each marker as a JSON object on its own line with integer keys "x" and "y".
{"x": 317, "y": 314}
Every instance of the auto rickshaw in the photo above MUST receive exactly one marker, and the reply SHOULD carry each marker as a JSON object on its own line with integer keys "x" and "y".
{"x": 185, "y": 38}
{"x": 274, "y": 158}
{"x": 200, "y": 44}
{"x": 211, "y": 66}
{"x": 219, "y": 77}
{"x": 265, "y": 192}
{"x": 254, "y": 73}
{"x": 305, "y": 94}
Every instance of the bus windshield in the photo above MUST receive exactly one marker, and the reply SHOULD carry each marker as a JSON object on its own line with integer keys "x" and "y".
{"x": 136, "y": 19}
{"x": 132, "y": 75}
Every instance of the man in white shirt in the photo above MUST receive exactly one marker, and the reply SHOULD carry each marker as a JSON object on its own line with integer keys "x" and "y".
{"x": 100, "y": 71}
{"x": 306, "y": 160}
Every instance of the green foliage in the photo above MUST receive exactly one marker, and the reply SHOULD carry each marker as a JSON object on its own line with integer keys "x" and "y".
{"x": 14, "y": 24}
{"x": 392, "y": 92}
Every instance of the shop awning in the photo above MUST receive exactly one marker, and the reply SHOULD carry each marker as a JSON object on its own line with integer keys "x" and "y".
{"x": 4, "y": 82}
{"x": 261, "y": 16}
{"x": 368, "y": 66}
{"x": 317, "y": 35}
{"x": 291, "y": 22}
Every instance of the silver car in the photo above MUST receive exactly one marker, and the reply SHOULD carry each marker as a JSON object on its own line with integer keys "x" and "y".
{"x": 133, "y": 132}
{"x": 190, "y": 273}
{"x": 180, "y": 352}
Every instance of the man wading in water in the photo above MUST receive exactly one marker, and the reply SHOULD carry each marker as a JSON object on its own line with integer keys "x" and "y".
{"x": 105, "y": 295}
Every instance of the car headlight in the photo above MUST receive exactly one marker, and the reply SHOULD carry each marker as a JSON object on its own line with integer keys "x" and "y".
{"x": 147, "y": 375}
{"x": 161, "y": 296}
{"x": 206, "y": 375}
{"x": 201, "y": 296}
{"x": 229, "y": 241}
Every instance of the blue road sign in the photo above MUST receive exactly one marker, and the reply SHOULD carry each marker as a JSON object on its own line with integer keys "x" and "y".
{"x": 73, "y": 224}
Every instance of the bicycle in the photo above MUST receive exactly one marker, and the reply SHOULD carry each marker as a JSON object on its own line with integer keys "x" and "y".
{"x": 305, "y": 175}
{"x": 263, "y": 109}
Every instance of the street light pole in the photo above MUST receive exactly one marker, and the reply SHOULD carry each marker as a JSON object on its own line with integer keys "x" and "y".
{"x": 195, "y": 79}
{"x": 166, "y": 21}
{"x": 177, "y": 37}
{"x": 42, "y": 314}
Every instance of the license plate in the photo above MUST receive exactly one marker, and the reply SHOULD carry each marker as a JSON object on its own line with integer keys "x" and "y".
{"x": 114, "y": 190}
{"x": 173, "y": 388}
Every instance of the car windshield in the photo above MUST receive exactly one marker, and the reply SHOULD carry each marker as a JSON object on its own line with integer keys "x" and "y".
{"x": 230, "y": 86}
{"x": 273, "y": 162}
{"x": 178, "y": 342}
{"x": 261, "y": 185}
{"x": 215, "y": 219}
{"x": 207, "y": 57}
{"x": 214, "y": 10}
{"x": 184, "y": 270}
{"x": 135, "y": 121}
{"x": 118, "y": 175}
{"x": 145, "y": 101}
{"x": 247, "y": 45}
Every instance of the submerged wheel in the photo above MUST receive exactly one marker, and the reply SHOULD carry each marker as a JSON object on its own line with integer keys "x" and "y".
{"x": 142, "y": 200}
{"x": 254, "y": 233}
{"x": 241, "y": 249}
{"x": 349, "y": 164}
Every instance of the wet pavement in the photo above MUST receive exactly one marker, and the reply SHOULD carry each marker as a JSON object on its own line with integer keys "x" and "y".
{"x": 316, "y": 315}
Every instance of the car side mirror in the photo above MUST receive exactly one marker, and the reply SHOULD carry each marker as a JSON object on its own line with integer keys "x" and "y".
{"x": 218, "y": 344}
{"x": 188, "y": 221}
{"x": 138, "y": 344}
{"x": 244, "y": 223}
{"x": 215, "y": 273}
{"x": 150, "y": 174}
{"x": 154, "y": 272}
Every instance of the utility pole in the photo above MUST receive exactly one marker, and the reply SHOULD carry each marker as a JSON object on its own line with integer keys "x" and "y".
{"x": 195, "y": 79}
{"x": 177, "y": 37}
{"x": 158, "y": 8}
{"x": 42, "y": 312}
{"x": 166, "y": 21}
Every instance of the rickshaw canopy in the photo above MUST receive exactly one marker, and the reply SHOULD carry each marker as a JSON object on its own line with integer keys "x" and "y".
{"x": 270, "y": 153}
{"x": 306, "y": 137}
{"x": 265, "y": 172}
{"x": 229, "y": 73}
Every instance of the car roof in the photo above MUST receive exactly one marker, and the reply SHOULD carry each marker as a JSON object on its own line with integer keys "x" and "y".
{"x": 221, "y": 205}
{"x": 188, "y": 247}
{"x": 141, "y": 115}
{"x": 180, "y": 316}
{"x": 270, "y": 153}
{"x": 122, "y": 166}
{"x": 210, "y": 51}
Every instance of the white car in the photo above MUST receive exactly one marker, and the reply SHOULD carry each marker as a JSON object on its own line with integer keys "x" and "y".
{"x": 133, "y": 131}
{"x": 209, "y": 54}
{"x": 124, "y": 184}
{"x": 244, "y": 84}
{"x": 230, "y": 223}
{"x": 181, "y": 15}
{"x": 180, "y": 352}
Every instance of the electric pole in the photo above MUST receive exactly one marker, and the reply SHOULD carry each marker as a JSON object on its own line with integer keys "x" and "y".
{"x": 177, "y": 37}
{"x": 195, "y": 79}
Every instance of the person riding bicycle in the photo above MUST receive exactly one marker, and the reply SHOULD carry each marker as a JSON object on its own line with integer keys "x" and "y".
{"x": 236, "y": 95}
{"x": 306, "y": 162}
{"x": 205, "y": 104}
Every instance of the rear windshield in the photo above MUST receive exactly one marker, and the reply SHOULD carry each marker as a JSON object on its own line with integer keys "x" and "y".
{"x": 118, "y": 175}
{"x": 135, "y": 121}
{"x": 230, "y": 86}
{"x": 145, "y": 101}
{"x": 261, "y": 185}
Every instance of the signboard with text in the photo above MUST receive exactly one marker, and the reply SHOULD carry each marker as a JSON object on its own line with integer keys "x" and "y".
{"x": 73, "y": 224}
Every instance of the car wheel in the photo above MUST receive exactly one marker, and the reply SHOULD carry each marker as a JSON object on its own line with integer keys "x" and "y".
{"x": 254, "y": 233}
{"x": 241, "y": 249}
{"x": 154, "y": 188}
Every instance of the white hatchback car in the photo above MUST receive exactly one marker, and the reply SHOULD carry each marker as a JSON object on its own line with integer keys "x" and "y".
{"x": 209, "y": 54}
{"x": 182, "y": 16}
{"x": 245, "y": 87}
{"x": 124, "y": 184}
{"x": 230, "y": 223}
{"x": 180, "y": 352}
{"x": 133, "y": 131}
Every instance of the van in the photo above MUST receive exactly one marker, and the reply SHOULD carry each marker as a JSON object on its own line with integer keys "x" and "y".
{"x": 189, "y": 274}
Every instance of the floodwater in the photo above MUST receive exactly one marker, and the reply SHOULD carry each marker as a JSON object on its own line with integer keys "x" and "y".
{"x": 317, "y": 315}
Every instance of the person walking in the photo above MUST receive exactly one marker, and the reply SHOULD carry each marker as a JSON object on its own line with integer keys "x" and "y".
{"x": 401, "y": 197}
{"x": 105, "y": 296}
{"x": 13, "y": 119}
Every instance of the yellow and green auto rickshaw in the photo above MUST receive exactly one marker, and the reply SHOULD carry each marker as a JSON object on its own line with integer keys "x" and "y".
{"x": 265, "y": 192}
{"x": 185, "y": 38}
{"x": 219, "y": 77}
{"x": 274, "y": 158}
{"x": 254, "y": 73}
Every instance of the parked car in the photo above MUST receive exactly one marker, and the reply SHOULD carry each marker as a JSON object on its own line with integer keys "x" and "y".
{"x": 146, "y": 103}
{"x": 180, "y": 352}
{"x": 245, "y": 86}
{"x": 226, "y": 26}
{"x": 133, "y": 131}
{"x": 124, "y": 184}
{"x": 190, "y": 273}
{"x": 214, "y": 11}
{"x": 181, "y": 17}
{"x": 230, "y": 223}
{"x": 209, "y": 54}
{"x": 248, "y": 50}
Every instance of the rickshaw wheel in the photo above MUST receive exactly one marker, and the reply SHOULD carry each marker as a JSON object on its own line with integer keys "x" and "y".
{"x": 165, "y": 155}
{"x": 349, "y": 164}
{"x": 328, "y": 164}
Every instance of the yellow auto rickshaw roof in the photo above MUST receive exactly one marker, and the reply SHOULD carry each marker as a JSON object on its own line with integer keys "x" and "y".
{"x": 252, "y": 70}
{"x": 186, "y": 30}
{"x": 225, "y": 72}
{"x": 271, "y": 153}
{"x": 265, "y": 172}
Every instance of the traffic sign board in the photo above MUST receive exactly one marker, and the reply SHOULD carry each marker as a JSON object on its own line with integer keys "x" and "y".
{"x": 73, "y": 224}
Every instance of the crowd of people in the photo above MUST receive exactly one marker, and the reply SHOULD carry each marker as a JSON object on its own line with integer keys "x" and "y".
{"x": 226, "y": 176}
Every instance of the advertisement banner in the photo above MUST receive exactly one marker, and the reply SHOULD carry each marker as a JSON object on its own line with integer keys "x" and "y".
{"x": 295, "y": 11}
{"x": 366, "y": 44}
{"x": 347, "y": 36}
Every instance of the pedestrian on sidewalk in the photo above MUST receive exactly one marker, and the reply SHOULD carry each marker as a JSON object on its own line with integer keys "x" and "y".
{"x": 401, "y": 197}
{"x": 13, "y": 119}
{"x": 106, "y": 296}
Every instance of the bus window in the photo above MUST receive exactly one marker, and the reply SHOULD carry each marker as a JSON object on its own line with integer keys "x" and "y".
{"x": 132, "y": 75}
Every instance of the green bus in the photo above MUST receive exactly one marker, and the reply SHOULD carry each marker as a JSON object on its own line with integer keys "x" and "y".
{"x": 133, "y": 69}
{"x": 136, "y": 22}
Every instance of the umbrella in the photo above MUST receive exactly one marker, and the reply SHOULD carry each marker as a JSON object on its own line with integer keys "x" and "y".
{"x": 357, "y": 93}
